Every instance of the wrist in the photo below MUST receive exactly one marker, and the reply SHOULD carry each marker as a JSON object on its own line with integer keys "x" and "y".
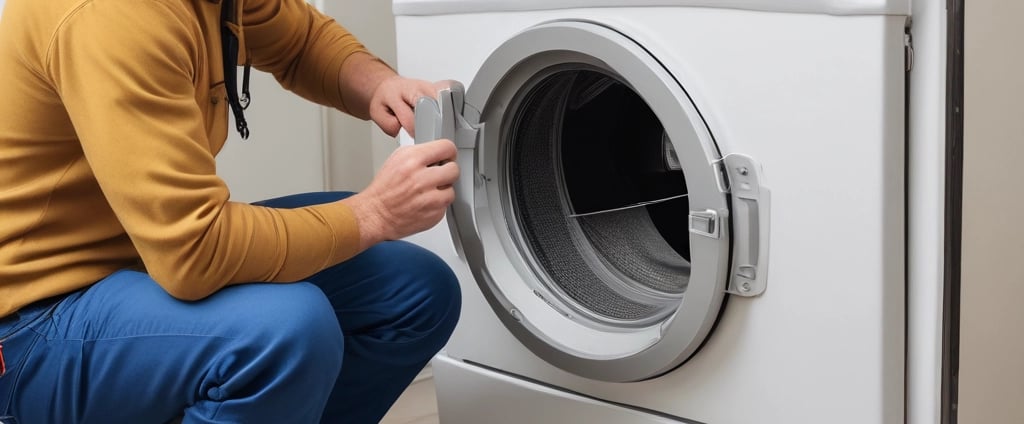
{"x": 369, "y": 219}
{"x": 359, "y": 78}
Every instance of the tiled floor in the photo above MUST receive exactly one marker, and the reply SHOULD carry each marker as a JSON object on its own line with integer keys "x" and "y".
{"x": 418, "y": 405}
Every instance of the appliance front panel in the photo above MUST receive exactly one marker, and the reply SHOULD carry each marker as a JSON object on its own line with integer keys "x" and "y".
{"x": 592, "y": 168}
{"x": 819, "y": 101}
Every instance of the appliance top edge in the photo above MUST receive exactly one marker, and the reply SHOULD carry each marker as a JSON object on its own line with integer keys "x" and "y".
{"x": 828, "y": 7}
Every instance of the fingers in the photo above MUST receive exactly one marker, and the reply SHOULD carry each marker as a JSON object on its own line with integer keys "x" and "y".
{"x": 392, "y": 107}
{"x": 405, "y": 116}
{"x": 436, "y": 152}
{"x": 392, "y": 114}
{"x": 442, "y": 176}
{"x": 404, "y": 111}
{"x": 385, "y": 119}
{"x": 411, "y": 191}
{"x": 430, "y": 167}
{"x": 419, "y": 88}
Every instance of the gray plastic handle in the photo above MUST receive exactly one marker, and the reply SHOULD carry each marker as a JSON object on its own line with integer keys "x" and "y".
{"x": 428, "y": 120}
{"x": 442, "y": 118}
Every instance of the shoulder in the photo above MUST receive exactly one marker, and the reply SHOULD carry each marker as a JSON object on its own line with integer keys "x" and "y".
{"x": 119, "y": 22}
{"x": 127, "y": 28}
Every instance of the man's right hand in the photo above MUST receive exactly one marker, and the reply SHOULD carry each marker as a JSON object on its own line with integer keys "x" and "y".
{"x": 409, "y": 194}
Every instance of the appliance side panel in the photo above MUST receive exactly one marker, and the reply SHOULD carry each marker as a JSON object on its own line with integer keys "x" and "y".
{"x": 925, "y": 206}
{"x": 894, "y": 251}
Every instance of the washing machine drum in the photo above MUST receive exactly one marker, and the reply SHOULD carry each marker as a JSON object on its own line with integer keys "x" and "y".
{"x": 596, "y": 213}
{"x": 599, "y": 199}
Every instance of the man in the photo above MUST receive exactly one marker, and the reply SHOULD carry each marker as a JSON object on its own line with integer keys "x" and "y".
{"x": 132, "y": 290}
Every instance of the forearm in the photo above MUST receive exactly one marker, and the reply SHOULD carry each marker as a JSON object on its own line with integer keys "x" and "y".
{"x": 360, "y": 75}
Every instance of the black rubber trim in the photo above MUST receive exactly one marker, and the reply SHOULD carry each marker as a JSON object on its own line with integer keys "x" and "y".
{"x": 953, "y": 226}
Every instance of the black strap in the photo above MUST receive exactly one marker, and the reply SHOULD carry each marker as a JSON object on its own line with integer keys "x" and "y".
{"x": 229, "y": 47}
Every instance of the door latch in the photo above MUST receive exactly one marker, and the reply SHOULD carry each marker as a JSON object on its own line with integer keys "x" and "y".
{"x": 750, "y": 222}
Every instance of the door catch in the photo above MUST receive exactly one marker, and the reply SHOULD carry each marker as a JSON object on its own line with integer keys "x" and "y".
{"x": 750, "y": 213}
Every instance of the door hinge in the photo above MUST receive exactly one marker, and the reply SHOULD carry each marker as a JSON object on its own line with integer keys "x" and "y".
{"x": 908, "y": 47}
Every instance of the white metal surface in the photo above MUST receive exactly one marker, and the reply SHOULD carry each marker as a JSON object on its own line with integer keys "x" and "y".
{"x": 471, "y": 394}
{"x": 818, "y": 100}
{"x": 926, "y": 187}
{"x": 834, "y": 7}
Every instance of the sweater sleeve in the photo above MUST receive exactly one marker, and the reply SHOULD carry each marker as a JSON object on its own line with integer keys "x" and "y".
{"x": 126, "y": 77}
{"x": 301, "y": 47}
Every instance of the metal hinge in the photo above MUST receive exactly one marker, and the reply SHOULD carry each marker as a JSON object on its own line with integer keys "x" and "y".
{"x": 908, "y": 46}
{"x": 705, "y": 223}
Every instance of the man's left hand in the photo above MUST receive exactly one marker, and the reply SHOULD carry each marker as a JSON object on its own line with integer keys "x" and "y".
{"x": 394, "y": 100}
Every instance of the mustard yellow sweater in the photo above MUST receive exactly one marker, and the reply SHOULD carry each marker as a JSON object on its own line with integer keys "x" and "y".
{"x": 111, "y": 112}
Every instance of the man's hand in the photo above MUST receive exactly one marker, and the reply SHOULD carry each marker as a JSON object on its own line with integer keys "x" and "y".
{"x": 392, "y": 104}
{"x": 409, "y": 194}
{"x": 372, "y": 90}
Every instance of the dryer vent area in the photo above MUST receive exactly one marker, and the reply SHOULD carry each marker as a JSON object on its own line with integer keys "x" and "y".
{"x": 598, "y": 197}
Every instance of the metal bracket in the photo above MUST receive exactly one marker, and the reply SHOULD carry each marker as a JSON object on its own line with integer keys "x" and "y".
{"x": 750, "y": 221}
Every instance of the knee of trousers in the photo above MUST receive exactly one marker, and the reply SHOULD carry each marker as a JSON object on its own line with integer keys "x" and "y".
{"x": 431, "y": 301}
{"x": 293, "y": 321}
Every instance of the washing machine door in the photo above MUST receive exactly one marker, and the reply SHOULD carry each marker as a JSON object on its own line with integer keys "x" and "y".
{"x": 594, "y": 209}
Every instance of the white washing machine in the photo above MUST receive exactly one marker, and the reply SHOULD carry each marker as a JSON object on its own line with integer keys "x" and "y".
{"x": 670, "y": 211}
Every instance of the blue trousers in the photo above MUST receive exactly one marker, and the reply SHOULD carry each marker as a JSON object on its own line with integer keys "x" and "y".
{"x": 339, "y": 347}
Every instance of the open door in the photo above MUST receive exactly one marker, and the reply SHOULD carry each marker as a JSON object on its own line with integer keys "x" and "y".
{"x": 594, "y": 209}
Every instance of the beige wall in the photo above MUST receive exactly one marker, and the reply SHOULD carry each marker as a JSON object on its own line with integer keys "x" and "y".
{"x": 357, "y": 148}
{"x": 283, "y": 154}
{"x": 297, "y": 146}
{"x": 992, "y": 321}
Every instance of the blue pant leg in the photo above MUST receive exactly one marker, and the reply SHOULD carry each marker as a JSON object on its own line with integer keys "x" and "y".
{"x": 123, "y": 351}
{"x": 304, "y": 199}
{"x": 397, "y": 304}
{"x": 17, "y": 340}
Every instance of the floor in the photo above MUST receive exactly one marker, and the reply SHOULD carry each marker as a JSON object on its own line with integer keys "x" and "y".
{"x": 418, "y": 405}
